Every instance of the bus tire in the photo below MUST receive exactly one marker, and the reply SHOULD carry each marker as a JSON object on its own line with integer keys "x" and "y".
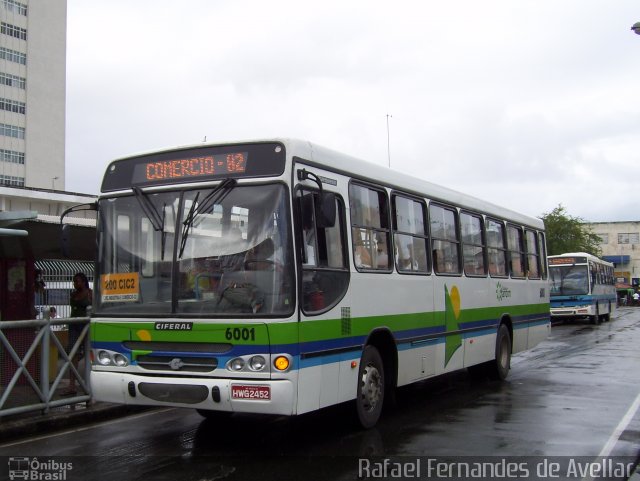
{"x": 370, "y": 392}
{"x": 499, "y": 368}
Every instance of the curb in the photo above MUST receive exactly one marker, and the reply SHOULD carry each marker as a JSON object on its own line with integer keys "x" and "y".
{"x": 27, "y": 426}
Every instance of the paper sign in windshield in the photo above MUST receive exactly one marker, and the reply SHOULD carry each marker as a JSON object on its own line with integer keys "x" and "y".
{"x": 120, "y": 287}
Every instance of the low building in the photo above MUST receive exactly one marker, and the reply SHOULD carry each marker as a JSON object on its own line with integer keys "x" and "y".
{"x": 30, "y": 232}
{"x": 621, "y": 245}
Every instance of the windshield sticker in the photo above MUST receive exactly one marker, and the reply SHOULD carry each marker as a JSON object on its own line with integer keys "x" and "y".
{"x": 120, "y": 287}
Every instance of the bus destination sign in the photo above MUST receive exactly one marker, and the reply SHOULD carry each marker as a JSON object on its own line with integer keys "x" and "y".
{"x": 182, "y": 169}
{"x": 196, "y": 164}
{"x": 565, "y": 261}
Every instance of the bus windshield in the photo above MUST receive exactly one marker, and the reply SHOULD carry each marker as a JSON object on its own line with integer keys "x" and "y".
{"x": 213, "y": 252}
{"x": 569, "y": 280}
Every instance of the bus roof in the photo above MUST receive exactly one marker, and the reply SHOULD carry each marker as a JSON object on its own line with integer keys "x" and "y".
{"x": 332, "y": 160}
{"x": 585, "y": 255}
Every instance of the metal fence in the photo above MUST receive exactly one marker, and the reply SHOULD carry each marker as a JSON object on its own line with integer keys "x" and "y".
{"x": 40, "y": 368}
{"x": 57, "y": 276}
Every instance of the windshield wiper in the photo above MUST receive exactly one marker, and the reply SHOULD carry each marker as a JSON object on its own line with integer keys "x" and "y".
{"x": 186, "y": 225}
{"x": 156, "y": 219}
{"x": 216, "y": 195}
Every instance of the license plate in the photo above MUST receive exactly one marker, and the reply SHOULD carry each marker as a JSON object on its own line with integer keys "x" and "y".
{"x": 259, "y": 393}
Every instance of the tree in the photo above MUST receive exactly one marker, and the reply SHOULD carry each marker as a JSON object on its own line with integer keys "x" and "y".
{"x": 566, "y": 233}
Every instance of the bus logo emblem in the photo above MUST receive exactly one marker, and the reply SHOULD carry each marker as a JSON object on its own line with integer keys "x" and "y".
{"x": 502, "y": 292}
{"x": 173, "y": 326}
{"x": 176, "y": 364}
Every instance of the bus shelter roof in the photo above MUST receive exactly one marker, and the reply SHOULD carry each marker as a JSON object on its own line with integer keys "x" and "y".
{"x": 621, "y": 286}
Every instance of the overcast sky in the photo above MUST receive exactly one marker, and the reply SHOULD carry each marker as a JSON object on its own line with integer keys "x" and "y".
{"x": 525, "y": 103}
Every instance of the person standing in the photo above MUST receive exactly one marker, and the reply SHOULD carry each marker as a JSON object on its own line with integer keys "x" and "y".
{"x": 81, "y": 298}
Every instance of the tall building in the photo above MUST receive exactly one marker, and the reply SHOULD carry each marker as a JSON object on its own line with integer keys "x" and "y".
{"x": 32, "y": 93}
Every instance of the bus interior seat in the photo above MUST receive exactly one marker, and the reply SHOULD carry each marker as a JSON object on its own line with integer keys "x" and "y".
{"x": 266, "y": 281}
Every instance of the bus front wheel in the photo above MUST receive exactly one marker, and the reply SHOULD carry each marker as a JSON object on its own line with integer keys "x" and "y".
{"x": 499, "y": 368}
{"x": 370, "y": 393}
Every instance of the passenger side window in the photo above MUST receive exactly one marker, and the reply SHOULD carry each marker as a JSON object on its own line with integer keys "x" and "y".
{"x": 543, "y": 255}
{"x": 325, "y": 276}
{"x": 496, "y": 250}
{"x": 516, "y": 250}
{"x": 533, "y": 255}
{"x": 370, "y": 228}
{"x": 445, "y": 241}
{"x": 473, "y": 245}
{"x": 410, "y": 236}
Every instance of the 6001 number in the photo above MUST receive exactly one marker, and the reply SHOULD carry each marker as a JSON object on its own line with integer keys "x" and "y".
{"x": 240, "y": 334}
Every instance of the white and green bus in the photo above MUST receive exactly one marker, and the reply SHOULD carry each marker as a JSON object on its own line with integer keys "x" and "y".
{"x": 281, "y": 277}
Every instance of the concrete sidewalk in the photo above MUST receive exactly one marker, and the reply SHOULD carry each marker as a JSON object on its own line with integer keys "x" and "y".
{"x": 26, "y": 425}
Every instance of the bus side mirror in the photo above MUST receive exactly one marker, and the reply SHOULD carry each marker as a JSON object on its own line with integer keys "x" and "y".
{"x": 66, "y": 228}
{"x": 326, "y": 210}
{"x": 65, "y": 238}
{"x": 323, "y": 205}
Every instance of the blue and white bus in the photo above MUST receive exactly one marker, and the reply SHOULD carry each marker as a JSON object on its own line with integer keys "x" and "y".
{"x": 582, "y": 285}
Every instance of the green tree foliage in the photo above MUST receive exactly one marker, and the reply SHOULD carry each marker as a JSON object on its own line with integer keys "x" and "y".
{"x": 566, "y": 233}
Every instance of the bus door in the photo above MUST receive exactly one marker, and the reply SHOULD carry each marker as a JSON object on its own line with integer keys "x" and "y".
{"x": 323, "y": 281}
{"x": 417, "y": 324}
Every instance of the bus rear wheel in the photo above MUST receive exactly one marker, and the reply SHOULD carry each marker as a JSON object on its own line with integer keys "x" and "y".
{"x": 499, "y": 368}
{"x": 370, "y": 393}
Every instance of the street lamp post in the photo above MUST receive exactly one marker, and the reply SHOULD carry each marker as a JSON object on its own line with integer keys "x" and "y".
{"x": 53, "y": 182}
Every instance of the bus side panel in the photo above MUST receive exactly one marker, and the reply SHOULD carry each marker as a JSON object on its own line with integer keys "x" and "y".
{"x": 538, "y": 333}
{"x": 450, "y": 303}
{"x": 309, "y": 385}
{"x": 331, "y": 345}
{"x": 417, "y": 362}
{"x": 479, "y": 349}
{"x": 539, "y": 316}
{"x": 328, "y": 383}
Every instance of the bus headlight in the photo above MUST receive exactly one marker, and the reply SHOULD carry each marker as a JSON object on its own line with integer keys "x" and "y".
{"x": 110, "y": 358}
{"x": 257, "y": 363}
{"x": 120, "y": 360}
{"x": 104, "y": 358}
{"x": 236, "y": 364}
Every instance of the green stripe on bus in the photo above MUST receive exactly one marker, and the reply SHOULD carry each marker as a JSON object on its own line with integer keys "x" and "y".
{"x": 282, "y": 333}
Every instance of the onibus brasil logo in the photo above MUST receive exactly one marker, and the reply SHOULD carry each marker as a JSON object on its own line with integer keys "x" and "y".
{"x": 37, "y": 470}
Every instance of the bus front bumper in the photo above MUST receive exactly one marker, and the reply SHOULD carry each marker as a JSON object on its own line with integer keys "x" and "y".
{"x": 571, "y": 311}
{"x": 231, "y": 395}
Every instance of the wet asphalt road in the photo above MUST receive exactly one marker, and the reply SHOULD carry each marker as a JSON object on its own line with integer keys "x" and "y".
{"x": 573, "y": 395}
